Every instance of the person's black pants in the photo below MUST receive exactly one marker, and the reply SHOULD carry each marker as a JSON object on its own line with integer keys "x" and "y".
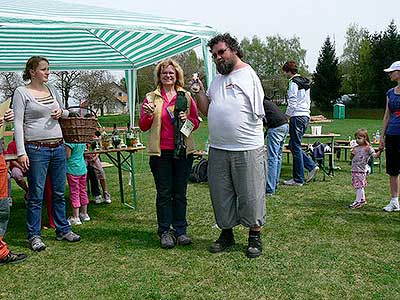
{"x": 171, "y": 178}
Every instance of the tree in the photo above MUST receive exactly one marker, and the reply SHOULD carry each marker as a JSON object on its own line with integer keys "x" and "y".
{"x": 145, "y": 80}
{"x": 190, "y": 64}
{"x": 349, "y": 66}
{"x": 97, "y": 88}
{"x": 65, "y": 82}
{"x": 385, "y": 49}
{"x": 326, "y": 79}
{"x": 267, "y": 58}
{"x": 9, "y": 81}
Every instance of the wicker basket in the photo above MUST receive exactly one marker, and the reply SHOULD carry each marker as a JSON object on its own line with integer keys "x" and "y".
{"x": 79, "y": 129}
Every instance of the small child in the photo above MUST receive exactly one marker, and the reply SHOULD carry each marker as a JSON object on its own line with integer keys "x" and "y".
{"x": 360, "y": 155}
{"x": 96, "y": 172}
{"x": 76, "y": 176}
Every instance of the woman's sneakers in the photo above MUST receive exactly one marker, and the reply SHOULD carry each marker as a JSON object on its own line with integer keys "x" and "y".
{"x": 392, "y": 206}
{"x": 69, "y": 237}
{"x": 37, "y": 243}
{"x": 357, "y": 204}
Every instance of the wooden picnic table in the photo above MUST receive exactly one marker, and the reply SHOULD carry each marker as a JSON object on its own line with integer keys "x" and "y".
{"x": 332, "y": 137}
{"x": 122, "y": 158}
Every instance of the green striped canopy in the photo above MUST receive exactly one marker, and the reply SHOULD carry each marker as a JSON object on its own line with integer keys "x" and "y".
{"x": 81, "y": 37}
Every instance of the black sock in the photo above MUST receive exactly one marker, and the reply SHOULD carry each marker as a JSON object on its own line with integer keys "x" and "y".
{"x": 227, "y": 232}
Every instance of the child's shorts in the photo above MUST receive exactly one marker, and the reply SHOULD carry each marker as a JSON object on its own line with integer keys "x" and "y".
{"x": 98, "y": 169}
{"x": 359, "y": 179}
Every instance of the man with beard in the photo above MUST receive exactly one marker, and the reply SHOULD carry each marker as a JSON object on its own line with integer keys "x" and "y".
{"x": 236, "y": 169}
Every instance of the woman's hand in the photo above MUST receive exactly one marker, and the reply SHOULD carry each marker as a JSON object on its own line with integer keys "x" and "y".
{"x": 56, "y": 113}
{"x": 9, "y": 115}
{"x": 24, "y": 161}
{"x": 382, "y": 142}
{"x": 183, "y": 116}
{"x": 149, "y": 108}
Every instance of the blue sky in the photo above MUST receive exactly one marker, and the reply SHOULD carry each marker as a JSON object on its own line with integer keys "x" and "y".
{"x": 312, "y": 21}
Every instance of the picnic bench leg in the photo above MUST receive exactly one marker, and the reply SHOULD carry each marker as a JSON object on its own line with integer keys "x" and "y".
{"x": 133, "y": 179}
{"x": 332, "y": 158}
{"x": 121, "y": 186}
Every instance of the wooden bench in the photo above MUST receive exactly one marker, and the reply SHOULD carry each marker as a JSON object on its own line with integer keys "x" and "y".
{"x": 105, "y": 164}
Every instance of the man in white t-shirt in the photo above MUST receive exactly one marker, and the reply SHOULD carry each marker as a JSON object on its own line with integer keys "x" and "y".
{"x": 236, "y": 169}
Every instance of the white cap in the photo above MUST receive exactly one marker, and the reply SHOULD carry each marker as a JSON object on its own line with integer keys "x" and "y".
{"x": 394, "y": 67}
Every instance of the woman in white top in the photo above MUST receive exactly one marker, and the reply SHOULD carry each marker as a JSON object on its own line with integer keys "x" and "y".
{"x": 41, "y": 150}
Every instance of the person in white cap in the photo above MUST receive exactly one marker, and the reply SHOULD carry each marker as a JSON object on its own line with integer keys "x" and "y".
{"x": 390, "y": 139}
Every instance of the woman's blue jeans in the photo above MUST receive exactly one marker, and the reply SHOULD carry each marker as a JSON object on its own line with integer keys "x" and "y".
{"x": 275, "y": 142}
{"x": 43, "y": 161}
{"x": 171, "y": 177}
{"x": 301, "y": 161}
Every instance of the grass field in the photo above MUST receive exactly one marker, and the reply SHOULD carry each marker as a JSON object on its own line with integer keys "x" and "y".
{"x": 314, "y": 246}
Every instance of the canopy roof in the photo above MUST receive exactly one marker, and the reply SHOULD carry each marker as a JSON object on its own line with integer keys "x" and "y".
{"x": 76, "y": 37}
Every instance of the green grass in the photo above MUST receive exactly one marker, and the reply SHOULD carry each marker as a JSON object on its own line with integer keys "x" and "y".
{"x": 314, "y": 246}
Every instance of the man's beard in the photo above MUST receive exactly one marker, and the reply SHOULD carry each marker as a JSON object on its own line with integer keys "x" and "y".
{"x": 224, "y": 67}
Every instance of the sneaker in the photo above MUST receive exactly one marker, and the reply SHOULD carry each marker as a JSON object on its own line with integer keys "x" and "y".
{"x": 74, "y": 221}
{"x": 69, "y": 237}
{"x": 392, "y": 206}
{"x": 357, "y": 204}
{"x": 254, "y": 249}
{"x": 13, "y": 258}
{"x": 37, "y": 243}
{"x": 98, "y": 199}
{"x": 84, "y": 217}
{"x": 183, "y": 240}
{"x": 225, "y": 240}
{"x": 107, "y": 197}
{"x": 167, "y": 240}
{"x": 292, "y": 182}
{"x": 312, "y": 174}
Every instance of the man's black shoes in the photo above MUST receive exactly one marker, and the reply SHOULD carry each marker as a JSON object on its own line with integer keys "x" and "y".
{"x": 254, "y": 249}
{"x": 224, "y": 241}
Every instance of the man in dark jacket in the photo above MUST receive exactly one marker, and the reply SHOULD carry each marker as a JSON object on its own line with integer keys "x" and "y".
{"x": 277, "y": 126}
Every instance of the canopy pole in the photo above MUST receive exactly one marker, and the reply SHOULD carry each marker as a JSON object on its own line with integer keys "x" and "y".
{"x": 130, "y": 79}
{"x": 208, "y": 62}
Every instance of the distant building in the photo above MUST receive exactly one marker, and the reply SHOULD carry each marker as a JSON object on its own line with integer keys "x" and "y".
{"x": 119, "y": 105}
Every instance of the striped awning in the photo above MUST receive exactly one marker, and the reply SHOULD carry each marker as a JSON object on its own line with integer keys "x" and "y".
{"x": 77, "y": 37}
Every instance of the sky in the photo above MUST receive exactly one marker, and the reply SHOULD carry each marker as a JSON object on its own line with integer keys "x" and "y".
{"x": 310, "y": 20}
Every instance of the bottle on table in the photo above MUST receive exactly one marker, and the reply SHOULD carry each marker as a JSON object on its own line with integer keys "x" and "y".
{"x": 114, "y": 137}
{"x": 129, "y": 136}
{"x": 377, "y": 136}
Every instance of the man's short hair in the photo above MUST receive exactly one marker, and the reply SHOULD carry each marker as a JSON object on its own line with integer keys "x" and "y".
{"x": 290, "y": 66}
{"x": 229, "y": 40}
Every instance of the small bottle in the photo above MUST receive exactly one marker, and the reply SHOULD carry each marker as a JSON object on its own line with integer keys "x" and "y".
{"x": 129, "y": 135}
{"x": 114, "y": 137}
{"x": 195, "y": 86}
{"x": 374, "y": 137}
{"x": 378, "y": 136}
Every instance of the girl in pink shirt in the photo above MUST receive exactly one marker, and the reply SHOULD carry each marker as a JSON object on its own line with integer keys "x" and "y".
{"x": 360, "y": 156}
